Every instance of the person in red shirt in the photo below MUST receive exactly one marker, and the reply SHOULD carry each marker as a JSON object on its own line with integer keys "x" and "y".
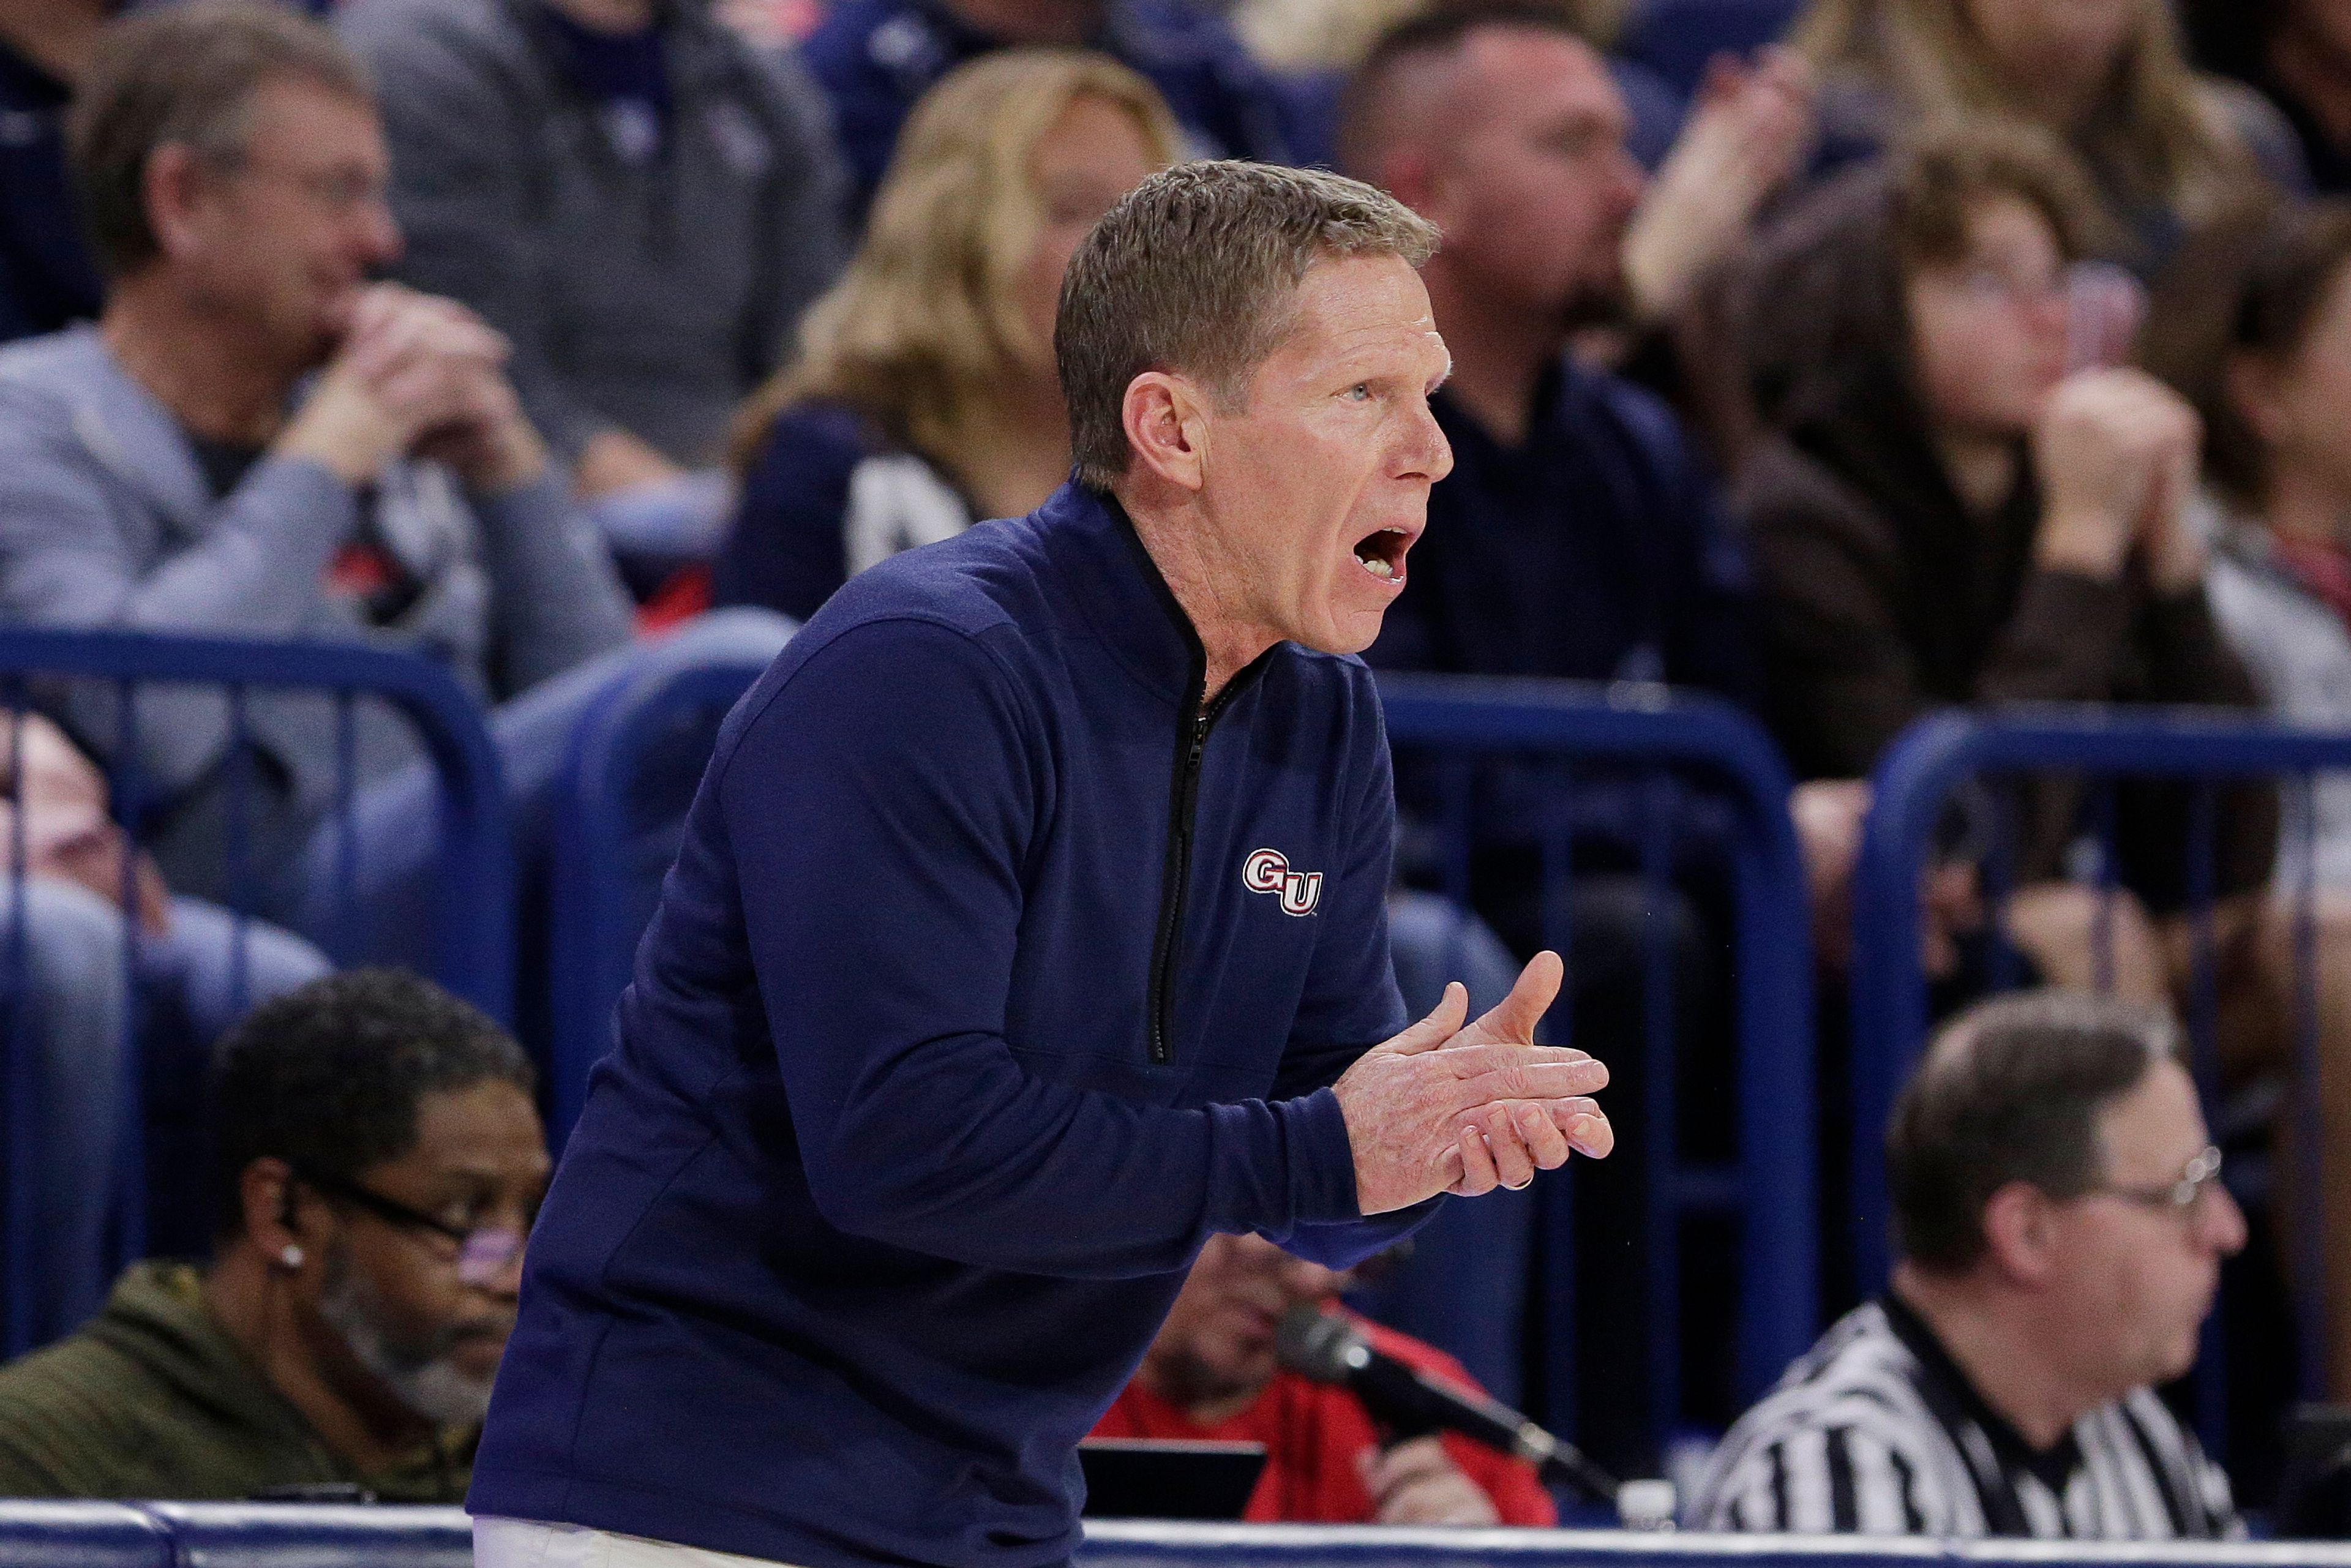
{"x": 1211, "y": 1375}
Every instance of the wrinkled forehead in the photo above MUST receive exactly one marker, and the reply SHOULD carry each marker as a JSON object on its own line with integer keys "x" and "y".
{"x": 1367, "y": 311}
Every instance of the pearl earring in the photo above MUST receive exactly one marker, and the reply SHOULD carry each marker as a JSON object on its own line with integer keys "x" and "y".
{"x": 290, "y": 1255}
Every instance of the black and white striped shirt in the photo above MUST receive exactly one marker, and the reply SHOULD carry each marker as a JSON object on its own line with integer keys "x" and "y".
{"x": 1877, "y": 1431}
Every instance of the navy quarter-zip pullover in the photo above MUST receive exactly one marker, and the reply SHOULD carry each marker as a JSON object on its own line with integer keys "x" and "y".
{"x": 995, "y": 973}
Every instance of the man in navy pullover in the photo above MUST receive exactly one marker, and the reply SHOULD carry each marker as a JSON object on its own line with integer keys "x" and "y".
{"x": 1029, "y": 930}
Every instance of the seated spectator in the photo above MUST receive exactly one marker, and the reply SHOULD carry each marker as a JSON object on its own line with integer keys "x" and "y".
{"x": 255, "y": 440}
{"x": 188, "y": 978}
{"x": 2165, "y": 146}
{"x": 2297, "y": 54}
{"x": 877, "y": 57}
{"x": 378, "y": 1164}
{"x": 925, "y": 395}
{"x": 1943, "y": 515}
{"x": 2062, "y": 1222}
{"x": 2273, "y": 384}
{"x": 1579, "y": 535}
{"x": 47, "y": 277}
{"x": 1211, "y": 1376}
{"x": 642, "y": 202}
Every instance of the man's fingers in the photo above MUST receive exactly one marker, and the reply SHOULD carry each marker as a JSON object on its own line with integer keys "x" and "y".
{"x": 1590, "y": 1134}
{"x": 1514, "y": 1166}
{"x": 1535, "y": 1080}
{"x": 1514, "y": 1020}
{"x": 1436, "y": 1029}
{"x": 1477, "y": 1177}
{"x": 1546, "y": 1142}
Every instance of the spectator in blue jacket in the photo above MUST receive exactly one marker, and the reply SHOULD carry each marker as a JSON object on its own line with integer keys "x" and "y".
{"x": 877, "y": 57}
{"x": 47, "y": 275}
{"x": 1030, "y": 929}
{"x": 922, "y": 398}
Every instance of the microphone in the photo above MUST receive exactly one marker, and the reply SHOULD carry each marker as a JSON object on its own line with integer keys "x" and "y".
{"x": 1328, "y": 1347}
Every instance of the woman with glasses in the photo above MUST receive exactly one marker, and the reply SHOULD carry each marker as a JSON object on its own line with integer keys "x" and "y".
{"x": 1952, "y": 508}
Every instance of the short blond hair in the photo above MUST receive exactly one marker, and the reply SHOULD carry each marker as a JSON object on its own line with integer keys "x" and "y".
{"x": 923, "y": 325}
{"x": 1197, "y": 270}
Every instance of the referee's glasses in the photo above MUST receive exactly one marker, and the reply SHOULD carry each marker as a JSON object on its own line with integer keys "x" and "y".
{"x": 2198, "y": 1176}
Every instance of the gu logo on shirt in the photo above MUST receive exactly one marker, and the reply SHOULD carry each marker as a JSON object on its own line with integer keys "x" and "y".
{"x": 1267, "y": 870}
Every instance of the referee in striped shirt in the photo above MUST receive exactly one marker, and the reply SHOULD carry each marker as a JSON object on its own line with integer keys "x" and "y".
{"x": 2062, "y": 1223}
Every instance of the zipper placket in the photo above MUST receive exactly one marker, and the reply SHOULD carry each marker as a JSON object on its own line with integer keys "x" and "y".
{"x": 1194, "y": 736}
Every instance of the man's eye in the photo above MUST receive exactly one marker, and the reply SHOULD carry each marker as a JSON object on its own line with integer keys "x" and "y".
{"x": 1360, "y": 391}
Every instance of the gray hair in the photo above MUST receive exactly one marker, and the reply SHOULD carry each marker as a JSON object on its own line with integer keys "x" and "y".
{"x": 1196, "y": 270}
{"x": 2011, "y": 1090}
{"x": 185, "y": 76}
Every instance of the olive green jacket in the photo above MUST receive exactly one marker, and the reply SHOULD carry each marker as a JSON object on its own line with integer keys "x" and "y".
{"x": 152, "y": 1399}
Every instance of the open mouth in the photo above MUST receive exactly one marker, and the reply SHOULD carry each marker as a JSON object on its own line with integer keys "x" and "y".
{"x": 1382, "y": 554}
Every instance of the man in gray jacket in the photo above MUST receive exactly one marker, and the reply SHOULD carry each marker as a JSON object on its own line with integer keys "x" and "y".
{"x": 640, "y": 199}
{"x": 255, "y": 439}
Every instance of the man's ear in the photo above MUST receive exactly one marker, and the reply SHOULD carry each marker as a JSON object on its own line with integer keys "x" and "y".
{"x": 2019, "y": 1227}
{"x": 265, "y": 1201}
{"x": 173, "y": 187}
{"x": 1165, "y": 417}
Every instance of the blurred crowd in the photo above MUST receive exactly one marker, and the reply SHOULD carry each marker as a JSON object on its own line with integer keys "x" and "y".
{"x": 1845, "y": 360}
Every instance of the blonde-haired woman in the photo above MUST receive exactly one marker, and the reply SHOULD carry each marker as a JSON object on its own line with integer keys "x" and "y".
{"x": 2165, "y": 146}
{"x": 924, "y": 396}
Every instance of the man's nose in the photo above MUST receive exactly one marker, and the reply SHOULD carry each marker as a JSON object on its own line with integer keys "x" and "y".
{"x": 1426, "y": 453}
{"x": 377, "y": 233}
{"x": 2221, "y": 1224}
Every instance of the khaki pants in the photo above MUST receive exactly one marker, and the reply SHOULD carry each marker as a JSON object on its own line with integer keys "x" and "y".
{"x": 524, "y": 1543}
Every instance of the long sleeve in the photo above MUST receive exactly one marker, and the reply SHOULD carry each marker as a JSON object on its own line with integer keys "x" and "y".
{"x": 65, "y": 558}
{"x": 879, "y": 810}
{"x": 557, "y": 600}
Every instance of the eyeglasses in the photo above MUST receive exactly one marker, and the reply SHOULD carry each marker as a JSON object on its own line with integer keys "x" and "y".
{"x": 1990, "y": 283}
{"x": 484, "y": 1252}
{"x": 337, "y": 192}
{"x": 2199, "y": 1175}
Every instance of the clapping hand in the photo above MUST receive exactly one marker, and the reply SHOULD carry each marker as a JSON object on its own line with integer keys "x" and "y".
{"x": 1447, "y": 1108}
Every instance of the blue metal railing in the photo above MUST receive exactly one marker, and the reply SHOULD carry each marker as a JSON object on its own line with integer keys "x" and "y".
{"x": 610, "y": 856}
{"x": 1770, "y": 1186}
{"x": 240, "y": 1535}
{"x": 474, "y": 885}
{"x": 1918, "y": 777}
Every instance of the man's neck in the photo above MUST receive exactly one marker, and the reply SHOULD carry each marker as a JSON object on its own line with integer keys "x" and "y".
{"x": 200, "y": 366}
{"x": 2316, "y": 75}
{"x": 2302, "y": 507}
{"x": 254, "y": 1305}
{"x": 2001, "y": 1351}
{"x": 1500, "y": 354}
{"x": 55, "y": 35}
{"x": 1180, "y": 539}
